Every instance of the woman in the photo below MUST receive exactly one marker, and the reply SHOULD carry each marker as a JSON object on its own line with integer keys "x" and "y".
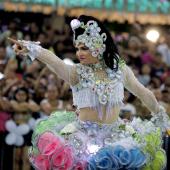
{"x": 97, "y": 139}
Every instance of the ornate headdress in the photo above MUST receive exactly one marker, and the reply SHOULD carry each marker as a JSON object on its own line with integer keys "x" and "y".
{"x": 91, "y": 37}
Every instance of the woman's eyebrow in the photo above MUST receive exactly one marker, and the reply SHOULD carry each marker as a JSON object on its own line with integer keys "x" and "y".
{"x": 80, "y": 46}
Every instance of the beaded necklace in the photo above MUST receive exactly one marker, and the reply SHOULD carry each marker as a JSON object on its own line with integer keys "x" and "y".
{"x": 102, "y": 85}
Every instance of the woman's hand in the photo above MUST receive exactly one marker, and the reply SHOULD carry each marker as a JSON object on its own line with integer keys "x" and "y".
{"x": 18, "y": 48}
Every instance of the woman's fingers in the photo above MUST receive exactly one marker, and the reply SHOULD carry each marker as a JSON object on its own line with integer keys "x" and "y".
{"x": 20, "y": 52}
{"x": 14, "y": 41}
{"x": 23, "y": 51}
{"x": 18, "y": 48}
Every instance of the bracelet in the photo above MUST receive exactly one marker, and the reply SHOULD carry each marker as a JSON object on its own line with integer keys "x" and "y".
{"x": 161, "y": 119}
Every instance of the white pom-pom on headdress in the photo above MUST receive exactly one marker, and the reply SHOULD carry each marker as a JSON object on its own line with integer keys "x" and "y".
{"x": 91, "y": 38}
{"x": 75, "y": 23}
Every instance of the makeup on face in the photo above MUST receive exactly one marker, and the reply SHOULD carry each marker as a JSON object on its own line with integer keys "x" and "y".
{"x": 84, "y": 54}
{"x": 83, "y": 48}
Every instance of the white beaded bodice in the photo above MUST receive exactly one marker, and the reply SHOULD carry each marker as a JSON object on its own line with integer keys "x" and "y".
{"x": 93, "y": 92}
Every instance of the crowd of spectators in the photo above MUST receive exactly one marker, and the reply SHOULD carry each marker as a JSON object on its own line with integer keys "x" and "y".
{"x": 29, "y": 90}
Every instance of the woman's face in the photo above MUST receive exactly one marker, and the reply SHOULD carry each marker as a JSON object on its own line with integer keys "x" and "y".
{"x": 84, "y": 55}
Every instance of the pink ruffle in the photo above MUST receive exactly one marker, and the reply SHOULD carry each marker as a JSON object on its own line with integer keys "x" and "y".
{"x": 54, "y": 153}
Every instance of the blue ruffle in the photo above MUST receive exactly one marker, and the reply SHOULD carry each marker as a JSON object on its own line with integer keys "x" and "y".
{"x": 117, "y": 158}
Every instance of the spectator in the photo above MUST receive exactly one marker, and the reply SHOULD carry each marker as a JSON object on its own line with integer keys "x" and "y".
{"x": 164, "y": 50}
{"x": 157, "y": 65}
{"x": 12, "y": 29}
{"x": 3, "y": 58}
{"x": 147, "y": 55}
{"x": 134, "y": 52}
{"x": 51, "y": 101}
{"x": 144, "y": 76}
{"x": 128, "y": 110}
{"x": 23, "y": 110}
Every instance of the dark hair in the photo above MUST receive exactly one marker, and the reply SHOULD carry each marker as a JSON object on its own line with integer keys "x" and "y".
{"x": 21, "y": 89}
{"x": 111, "y": 54}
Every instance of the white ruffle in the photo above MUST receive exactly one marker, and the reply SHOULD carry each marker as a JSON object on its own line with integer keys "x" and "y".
{"x": 86, "y": 97}
{"x": 32, "y": 47}
{"x": 127, "y": 143}
{"x": 161, "y": 119}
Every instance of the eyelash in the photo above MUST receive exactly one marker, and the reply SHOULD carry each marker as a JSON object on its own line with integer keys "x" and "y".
{"x": 85, "y": 48}
{"x": 82, "y": 48}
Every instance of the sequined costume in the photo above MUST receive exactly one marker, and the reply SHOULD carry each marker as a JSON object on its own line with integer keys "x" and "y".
{"x": 91, "y": 145}
{"x": 64, "y": 142}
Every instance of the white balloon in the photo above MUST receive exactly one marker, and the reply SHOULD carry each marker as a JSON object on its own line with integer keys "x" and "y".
{"x": 11, "y": 138}
{"x": 31, "y": 123}
{"x": 22, "y": 129}
{"x": 19, "y": 141}
{"x": 10, "y": 125}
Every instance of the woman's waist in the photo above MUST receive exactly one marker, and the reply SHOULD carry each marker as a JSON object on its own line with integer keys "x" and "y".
{"x": 90, "y": 114}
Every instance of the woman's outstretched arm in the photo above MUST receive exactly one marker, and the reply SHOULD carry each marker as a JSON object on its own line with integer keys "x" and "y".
{"x": 54, "y": 63}
{"x": 159, "y": 115}
{"x": 136, "y": 88}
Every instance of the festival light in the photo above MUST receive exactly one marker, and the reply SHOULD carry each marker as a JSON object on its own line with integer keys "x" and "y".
{"x": 152, "y": 35}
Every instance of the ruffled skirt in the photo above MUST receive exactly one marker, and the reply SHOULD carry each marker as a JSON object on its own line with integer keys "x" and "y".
{"x": 62, "y": 142}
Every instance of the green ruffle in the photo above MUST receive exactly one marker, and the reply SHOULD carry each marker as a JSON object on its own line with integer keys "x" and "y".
{"x": 56, "y": 119}
{"x": 158, "y": 162}
{"x": 154, "y": 149}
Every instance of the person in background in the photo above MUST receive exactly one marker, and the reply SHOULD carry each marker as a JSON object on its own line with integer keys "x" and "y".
{"x": 164, "y": 49}
{"x": 128, "y": 110}
{"x": 144, "y": 76}
{"x": 23, "y": 109}
{"x": 51, "y": 102}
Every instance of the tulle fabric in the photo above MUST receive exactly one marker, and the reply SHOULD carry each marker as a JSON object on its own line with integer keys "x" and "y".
{"x": 63, "y": 142}
{"x": 136, "y": 88}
